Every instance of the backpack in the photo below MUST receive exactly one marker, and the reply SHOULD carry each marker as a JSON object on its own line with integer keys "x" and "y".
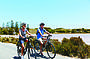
{"x": 38, "y": 32}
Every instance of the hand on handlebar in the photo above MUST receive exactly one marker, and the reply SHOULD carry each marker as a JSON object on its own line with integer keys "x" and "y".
{"x": 23, "y": 37}
{"x": 42, "y": 36}
{"x": 49, "y": 35}
{"x": 32, "y": 35}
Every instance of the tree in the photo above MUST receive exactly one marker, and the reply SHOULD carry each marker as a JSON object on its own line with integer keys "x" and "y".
{"x": 7, "y": 25}
{"x": 20, "y": 25}
{"x": 28, "y": 27}
{"x": 16, "y": 27}
{"x": 82, "y": 29}
{"x": 5, "y": 31}
{"x": 11, "y": 30}
{"x": 73, "y": 31}
{"x": 0, "y": 30}
{"x": 12, "y": 24}
{"x": 3, "y": 25}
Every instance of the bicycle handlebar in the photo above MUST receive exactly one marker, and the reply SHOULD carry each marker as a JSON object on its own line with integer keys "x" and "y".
{"x": 48, "y": 36}
{"x": 30, "y": 37}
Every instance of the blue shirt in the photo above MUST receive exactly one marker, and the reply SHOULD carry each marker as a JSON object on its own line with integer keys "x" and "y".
{"x": 42, "y": 32}
{"x": 23, "y": 33}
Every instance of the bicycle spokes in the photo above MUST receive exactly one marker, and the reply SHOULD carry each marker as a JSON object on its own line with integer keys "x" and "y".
{"x": 51, "y": 51}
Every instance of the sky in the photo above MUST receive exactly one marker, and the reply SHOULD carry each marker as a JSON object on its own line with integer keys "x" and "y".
{"x": 67, "y": 14}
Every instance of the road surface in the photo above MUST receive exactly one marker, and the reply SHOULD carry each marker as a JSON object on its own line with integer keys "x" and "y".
{"x": 8, "y": 51}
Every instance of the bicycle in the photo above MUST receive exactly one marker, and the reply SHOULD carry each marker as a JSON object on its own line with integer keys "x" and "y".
{"x": 48, "y": 46}
{"x": 29, "y": 48}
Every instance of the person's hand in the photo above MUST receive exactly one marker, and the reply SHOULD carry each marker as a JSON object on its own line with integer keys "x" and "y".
{"x": 23, "y": 37}
{"x": 50, "y": 34}
{"x": 32, "y": 35}
{"x": 42, "y": 36}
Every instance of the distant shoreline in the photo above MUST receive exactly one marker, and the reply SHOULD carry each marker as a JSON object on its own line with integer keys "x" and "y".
{"x": 64, "y": 33}
{"x": 35, "y": 34}
{"x": 71, "y": 33}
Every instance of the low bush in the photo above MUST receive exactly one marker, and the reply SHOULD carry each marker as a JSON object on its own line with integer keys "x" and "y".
{"x": 71, "y": 47}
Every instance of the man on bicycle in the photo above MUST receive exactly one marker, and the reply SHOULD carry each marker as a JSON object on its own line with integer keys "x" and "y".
{"x": 22, "y": 37}
{"x": 40, "y": 33}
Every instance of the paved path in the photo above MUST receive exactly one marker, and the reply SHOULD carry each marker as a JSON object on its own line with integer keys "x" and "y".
{"x": 8, "y": 51}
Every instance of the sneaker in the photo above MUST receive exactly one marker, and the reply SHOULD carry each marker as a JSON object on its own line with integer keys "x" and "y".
{"x": 22, "y": 57}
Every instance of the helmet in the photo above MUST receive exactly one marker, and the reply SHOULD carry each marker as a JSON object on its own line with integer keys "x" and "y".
{"x": 23, "y": 24}
{"x": 42, "y": 24}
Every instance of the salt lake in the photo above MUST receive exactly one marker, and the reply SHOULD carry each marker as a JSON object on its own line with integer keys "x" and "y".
{"x": 85, "y": 37}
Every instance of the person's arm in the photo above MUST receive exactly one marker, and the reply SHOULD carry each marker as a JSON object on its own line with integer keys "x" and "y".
{"x": 46, "y": 32}
{"x": 21, "y": 35}
{"x": 29, "y": 33}
{"x": 40, "y": 32}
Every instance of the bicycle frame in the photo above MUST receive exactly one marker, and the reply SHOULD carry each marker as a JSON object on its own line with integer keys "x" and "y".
{"x": 47, "y": 46}
{"x": 47, "y": 43}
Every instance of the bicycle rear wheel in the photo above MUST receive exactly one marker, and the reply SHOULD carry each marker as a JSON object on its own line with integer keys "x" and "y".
{"x": 37, "y": 46}
{"x": 51, "y": 51}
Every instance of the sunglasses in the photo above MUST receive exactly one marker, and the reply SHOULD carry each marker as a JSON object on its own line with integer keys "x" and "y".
{"x": 24, "y": 26}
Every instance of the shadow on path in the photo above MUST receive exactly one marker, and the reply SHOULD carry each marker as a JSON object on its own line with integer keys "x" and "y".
{"x": 38, "y": 56}
{"x": 16, "y": 57}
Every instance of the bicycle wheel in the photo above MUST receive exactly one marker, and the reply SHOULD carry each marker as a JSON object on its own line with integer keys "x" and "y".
{"x": 37, "y": 46}
{"x": 19, "y": 50}
{"x": 19, "y": 47}
{"x": 29, "y": 50}
{"x": 51, "y": 51}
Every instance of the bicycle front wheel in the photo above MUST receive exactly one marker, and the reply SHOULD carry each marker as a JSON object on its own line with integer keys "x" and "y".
{"x": 31, "y": 51}
{"x": 19, "y": 50}
{"x": 51, "y": 51}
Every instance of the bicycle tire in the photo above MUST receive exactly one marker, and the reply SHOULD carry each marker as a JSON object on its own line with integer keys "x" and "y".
{"x": 29, "y": 54}
{"x": 53, "y": 51}
{"x": 37, "y": 46}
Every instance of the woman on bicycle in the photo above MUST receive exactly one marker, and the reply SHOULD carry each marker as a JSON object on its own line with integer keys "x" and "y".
{"x": 40, "y": 33}
{"x": 22, "y": 37}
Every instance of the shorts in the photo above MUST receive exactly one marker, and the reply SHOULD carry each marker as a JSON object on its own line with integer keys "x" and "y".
{"x": 22, "y": 40}
{"x": 40, "y": 39}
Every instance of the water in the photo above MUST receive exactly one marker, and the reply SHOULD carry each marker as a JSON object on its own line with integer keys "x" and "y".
{"x": 85, "y": 37}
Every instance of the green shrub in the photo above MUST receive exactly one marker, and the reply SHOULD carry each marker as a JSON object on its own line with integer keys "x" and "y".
{"x": 71, "y": 47}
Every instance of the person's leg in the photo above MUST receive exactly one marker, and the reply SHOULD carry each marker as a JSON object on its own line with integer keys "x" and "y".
{"x": 22, "y": 44}
{"x": 41, "y": 45}
{"x": 45, "y": 41}
{"x": 22, "y": 49}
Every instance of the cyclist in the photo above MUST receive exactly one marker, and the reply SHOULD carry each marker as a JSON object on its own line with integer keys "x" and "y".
{"x": 40, "y": 33}
{"x": 22, "y": 37}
